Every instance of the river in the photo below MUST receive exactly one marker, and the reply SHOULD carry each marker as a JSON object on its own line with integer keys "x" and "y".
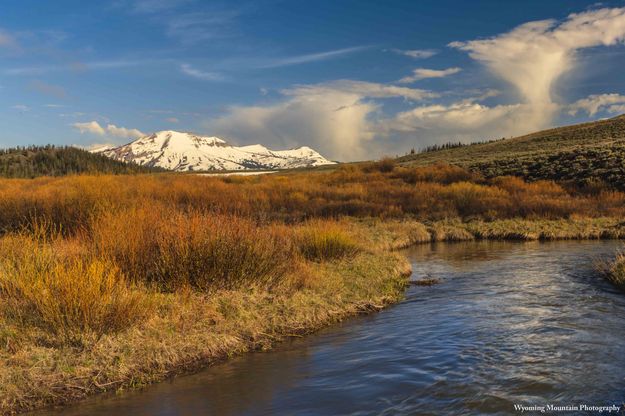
{"x": 509, "y": 323}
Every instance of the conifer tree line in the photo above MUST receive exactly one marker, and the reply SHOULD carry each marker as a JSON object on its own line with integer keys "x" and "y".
{"x": 50, "y": 160}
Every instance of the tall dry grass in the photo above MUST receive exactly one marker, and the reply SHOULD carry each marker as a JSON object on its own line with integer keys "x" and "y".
{"x": 614, "y": 270}
{"x": 325, "y": 240}
{"x": 425, "y": 193}
{"x": 173, "y": 249}
{"x": 135, "y": 260}
{"x": 66, "y": 295}
{"x": 81, "y": 245}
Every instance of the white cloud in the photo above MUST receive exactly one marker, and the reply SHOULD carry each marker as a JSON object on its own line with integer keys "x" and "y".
{"x": 92, "y": 127}
{"x": 461, "y": 121}
{"x": 533, "y": 56}
{"x": 612, "y": 103}
{"x": 81, "y": 66}
{"x": 335, "y": 118}
{"x": 172, "y": 120}
{"x": 362, "y": 89}
{"x": 21, "y": 107}
{"x": 617, "y": 109}
{"x": 416, "y": 53}
{"x": 196, "y": 27}
{"x": 123, "y": 132}
{"x": 312, "y": 57}
{"x": 199, "y": 74}
{"x": 423, "y": 73}
{"x": 466, "y": 120}
{"x": 156, "y": 6}
{"x": 111, "y": 130}
{"x": 75, "y": 114}
{"x": 343, "y": 119}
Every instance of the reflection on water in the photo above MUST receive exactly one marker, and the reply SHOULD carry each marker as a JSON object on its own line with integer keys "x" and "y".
{"x": 525, "y": 323}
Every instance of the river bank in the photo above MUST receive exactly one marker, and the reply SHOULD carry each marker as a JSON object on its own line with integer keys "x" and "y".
{"x": 509, "y": 323}
{"x": 115, "y": 282}
{"x": 190, "y": 330}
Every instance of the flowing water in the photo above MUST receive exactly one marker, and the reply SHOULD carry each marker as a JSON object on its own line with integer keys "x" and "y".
{"x": 510, "y": 323}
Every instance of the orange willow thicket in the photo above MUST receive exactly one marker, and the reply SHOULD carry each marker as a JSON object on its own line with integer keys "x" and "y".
{"x": 426, "y": 193}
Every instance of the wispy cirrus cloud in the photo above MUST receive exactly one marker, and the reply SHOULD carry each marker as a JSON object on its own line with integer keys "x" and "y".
{"x": 311, "y": 57}
{"x": 189, "y": 26}
{"x": 47, "y": 89}
{"x": 416, "y": 53}
{"x": 196, "y": 27}
{"x": 77, "y": 66}
{"x": 155, "y": 6}
{"x": 191, "y": 71}
{"x": 424, "y": 73}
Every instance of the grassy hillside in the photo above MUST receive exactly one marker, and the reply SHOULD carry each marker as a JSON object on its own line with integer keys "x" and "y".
{"x": 583, "y": 154}
{"x": 33, "y": 161}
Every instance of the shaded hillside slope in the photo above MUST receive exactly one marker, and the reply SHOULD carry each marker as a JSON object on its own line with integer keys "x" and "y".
{"x": 582, "y": 154}
{"x": 33, "y": 161}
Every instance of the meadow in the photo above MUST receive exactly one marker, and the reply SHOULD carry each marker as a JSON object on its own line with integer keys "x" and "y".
{"x": 111, "y": 282}
{"x": 583, "y": 155}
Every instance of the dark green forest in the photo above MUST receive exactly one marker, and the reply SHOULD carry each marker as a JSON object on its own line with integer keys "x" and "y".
{"x": 33, "y": 161}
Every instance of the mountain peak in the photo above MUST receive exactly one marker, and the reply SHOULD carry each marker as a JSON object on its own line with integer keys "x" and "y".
{"x": 183, "y": 151}
{"x": 178, "y": 136}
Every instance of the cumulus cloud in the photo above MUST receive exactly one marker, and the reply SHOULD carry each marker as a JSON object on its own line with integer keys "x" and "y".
{"x": 333, "y": 122}
{"x": 464, "y": 121}
{"x": 335, "y": 118}
{"x": 344, "y": 119}
{"x": 416, "y": 53}
{"x": 111, "y": 130}
{"x": 612, "y": 103}
{"x": 424, "y": 73}
{"x": 533, "y": 56}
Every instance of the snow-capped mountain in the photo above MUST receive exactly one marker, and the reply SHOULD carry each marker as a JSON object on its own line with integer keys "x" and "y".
{"x": 187, "y": 152}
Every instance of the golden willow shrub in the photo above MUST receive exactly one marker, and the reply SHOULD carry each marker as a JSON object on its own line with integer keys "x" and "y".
{"x": 171, "y": 249}
{"x": 325, "y": 240}
{"x": 67, "y": 296}
{"x": 425, "y": 193}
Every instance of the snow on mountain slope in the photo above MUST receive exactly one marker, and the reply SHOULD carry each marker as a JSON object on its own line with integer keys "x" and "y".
{"x": 187, "y": 152}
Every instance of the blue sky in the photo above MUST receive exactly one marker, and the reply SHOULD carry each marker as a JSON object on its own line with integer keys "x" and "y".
{"x": 353, "y": 79}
